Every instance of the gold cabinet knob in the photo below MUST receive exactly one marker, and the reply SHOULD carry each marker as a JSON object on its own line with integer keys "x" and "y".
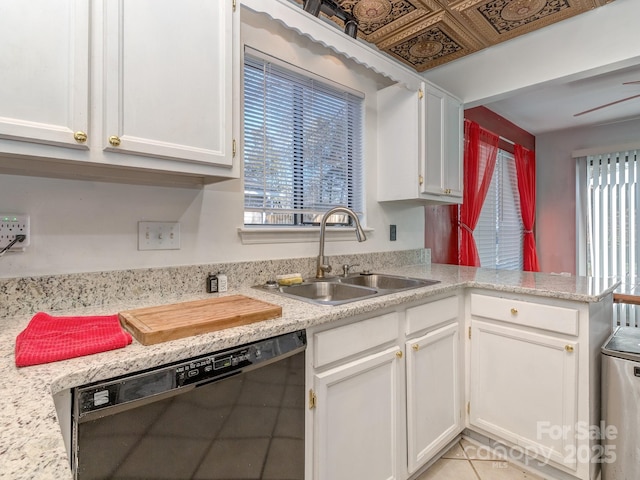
{"x": 80, "y": 137}
{"x": 514, "y": 311}
{"x": 420, "y": 179}
{"x": 114, "y": 141}
{"x": 399, "y": 354}
{"x": 569, "y": 348}
{"x": 415, "y": 346}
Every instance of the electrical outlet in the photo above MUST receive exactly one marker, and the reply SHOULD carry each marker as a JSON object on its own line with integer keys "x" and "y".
{"x": 158, "y": 236}
{"x": 12, "y": 224}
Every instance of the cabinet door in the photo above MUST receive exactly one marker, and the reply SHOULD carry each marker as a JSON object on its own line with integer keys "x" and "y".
{"x": 356, "y": 419}
{"x": 524, "y": 390}
{"x": 433, "y": 393}
{"x": 399, "y": 145}
{"x": 168, "y": 79}
{"x": 452, "y": 146}
{"x": 442, "y": 162}
{"x": 44, "y": 71}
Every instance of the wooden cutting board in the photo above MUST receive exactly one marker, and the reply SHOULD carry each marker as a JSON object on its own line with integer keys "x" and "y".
{"x": 178, "y": 320}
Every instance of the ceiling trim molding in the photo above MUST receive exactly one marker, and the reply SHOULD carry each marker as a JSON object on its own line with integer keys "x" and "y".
{"x": 294, "y": 18}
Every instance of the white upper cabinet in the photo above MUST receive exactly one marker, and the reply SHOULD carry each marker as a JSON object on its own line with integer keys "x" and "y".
{"x": 419, "y": 145}
{"x": 44, "y": 71}
{"x": 134, "y": 91}
{"x": 168, "y": 79}
{"x": 442, "y": 174}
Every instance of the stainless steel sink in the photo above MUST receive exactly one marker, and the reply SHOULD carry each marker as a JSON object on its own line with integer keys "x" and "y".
{"x": 386, "y": 282}
{"x": 328, "y": 292}
{"x": 340, "y": 290}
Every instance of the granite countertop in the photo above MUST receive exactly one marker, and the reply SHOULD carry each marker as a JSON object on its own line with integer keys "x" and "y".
{"x": 31, "y": 445}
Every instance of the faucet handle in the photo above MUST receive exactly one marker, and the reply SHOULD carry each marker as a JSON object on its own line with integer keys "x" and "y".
{"x": 346, "y": 267}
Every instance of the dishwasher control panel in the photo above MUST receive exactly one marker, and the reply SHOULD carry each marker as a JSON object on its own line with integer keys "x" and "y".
{"x": 214, "y": 366}
{"x": 163, "y": 381}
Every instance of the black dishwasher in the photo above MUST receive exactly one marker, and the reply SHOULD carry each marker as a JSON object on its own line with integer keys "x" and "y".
{"x": 232, "y": 414}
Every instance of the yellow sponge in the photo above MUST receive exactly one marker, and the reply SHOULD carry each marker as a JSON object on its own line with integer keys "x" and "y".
{"x": 289, "y": 279}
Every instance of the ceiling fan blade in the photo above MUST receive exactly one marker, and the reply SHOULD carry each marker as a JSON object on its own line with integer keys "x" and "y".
{"x": 606, "y": 105}
{"x": 631, "y": 83}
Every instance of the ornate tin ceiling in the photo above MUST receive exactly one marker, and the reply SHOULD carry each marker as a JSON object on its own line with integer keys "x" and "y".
{"x": 427, "y": 33}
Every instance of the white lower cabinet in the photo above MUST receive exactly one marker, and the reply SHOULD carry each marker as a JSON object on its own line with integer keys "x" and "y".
{"x": 356, "y": 418}
{"x": 534, "y": 384}
{"x": 522, "y": 385}
{"x": 384, "y": 392}
{"x": 387, "y": 393}
{"x": 433, "y": 393}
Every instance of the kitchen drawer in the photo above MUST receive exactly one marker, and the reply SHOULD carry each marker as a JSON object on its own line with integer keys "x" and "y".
{"x": 431, "y": 314}
{"x": 343, "y": 342}
{"x": 536, "y": 315}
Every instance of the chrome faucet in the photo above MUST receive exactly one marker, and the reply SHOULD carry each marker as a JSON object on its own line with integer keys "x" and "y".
{"x": 322, "y": 267}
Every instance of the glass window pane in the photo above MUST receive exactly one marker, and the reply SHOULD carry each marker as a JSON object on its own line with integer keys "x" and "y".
{"x": 499, "y": 233}
{"x": 302, "y": 146}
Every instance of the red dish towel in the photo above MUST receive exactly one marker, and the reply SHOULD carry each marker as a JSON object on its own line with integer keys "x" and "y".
{"x": 49, "y": 339}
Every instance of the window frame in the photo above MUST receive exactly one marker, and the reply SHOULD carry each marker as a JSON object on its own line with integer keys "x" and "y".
{"x": 357, "y": 177}
{"x": 503, "y": 261}
{"x": 608, "y": 199}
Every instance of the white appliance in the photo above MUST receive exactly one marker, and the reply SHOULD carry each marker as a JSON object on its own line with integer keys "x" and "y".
{"x": 621, "y": 405}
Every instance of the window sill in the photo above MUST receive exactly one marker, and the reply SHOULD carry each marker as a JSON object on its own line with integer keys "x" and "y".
{"x": 258, "y": 235}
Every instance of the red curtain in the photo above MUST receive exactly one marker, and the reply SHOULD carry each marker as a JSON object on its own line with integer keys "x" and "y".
{"x": 526, "y": 171}
{"x": 480, "y": 152}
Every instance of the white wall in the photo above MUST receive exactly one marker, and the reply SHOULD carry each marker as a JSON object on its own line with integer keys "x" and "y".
{"x": 556, "y": 188}
{"x": 600, "y": 40}
{"x": 82, "y": 226}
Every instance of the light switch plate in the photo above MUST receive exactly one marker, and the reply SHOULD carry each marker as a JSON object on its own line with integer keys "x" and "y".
{"x": 158, "y": 236}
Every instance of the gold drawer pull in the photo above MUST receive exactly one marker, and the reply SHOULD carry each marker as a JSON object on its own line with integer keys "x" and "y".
{"x": 415, "y": 346}
{"x": 514, "y": 311}
{"x": 114, "y": 140}
{"x": 399, "y": 354}
{"x": 569, "y": 348}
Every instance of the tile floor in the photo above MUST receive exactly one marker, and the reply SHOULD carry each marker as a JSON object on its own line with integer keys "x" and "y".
{"x": 468, "y": 461}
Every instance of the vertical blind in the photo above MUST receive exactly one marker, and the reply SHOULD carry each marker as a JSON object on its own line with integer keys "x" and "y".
{"x": 302, "y": 145}
{"x": 499, "y": 232}
{"x": 613, "y": 230}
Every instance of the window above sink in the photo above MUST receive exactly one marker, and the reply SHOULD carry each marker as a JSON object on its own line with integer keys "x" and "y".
{"x": 303, "y": 153}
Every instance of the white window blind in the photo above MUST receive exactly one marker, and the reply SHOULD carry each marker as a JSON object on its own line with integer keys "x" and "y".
{"x": 302, "y": 145}
{"x": 499, "y": 232}
{"x": 613, "y": 230}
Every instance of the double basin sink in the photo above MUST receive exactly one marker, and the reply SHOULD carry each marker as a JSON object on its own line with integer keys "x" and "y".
{"x": 340, "y": 290}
